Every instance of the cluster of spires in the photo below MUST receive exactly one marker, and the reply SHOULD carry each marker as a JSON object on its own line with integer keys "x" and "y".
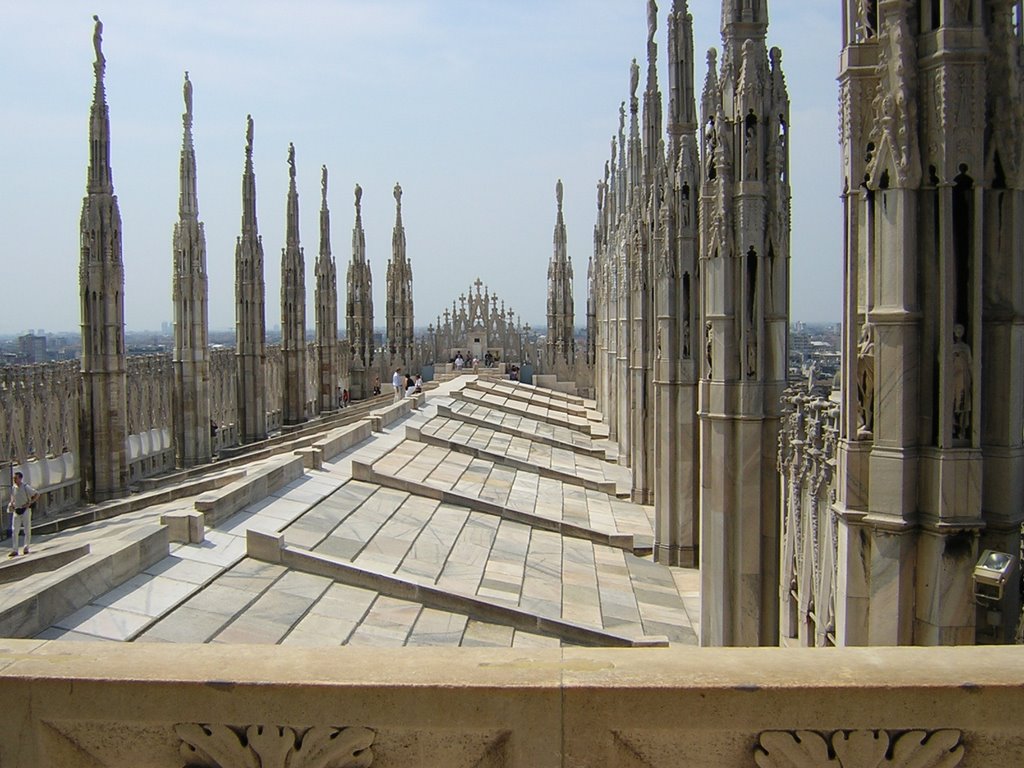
{"x": 102, "y": 292}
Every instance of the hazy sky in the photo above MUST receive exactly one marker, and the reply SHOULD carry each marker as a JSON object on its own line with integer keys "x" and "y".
{"x": 476, "y": 106}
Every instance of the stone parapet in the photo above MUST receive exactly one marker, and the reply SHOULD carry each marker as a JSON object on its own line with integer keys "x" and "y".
{"x": 85, "y": 704}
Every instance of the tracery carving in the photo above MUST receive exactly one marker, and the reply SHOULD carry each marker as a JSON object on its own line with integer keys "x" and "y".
{"x": 859, "y": 749}
{"x": 894, "y": 105}
{"x": 261, "y": 746}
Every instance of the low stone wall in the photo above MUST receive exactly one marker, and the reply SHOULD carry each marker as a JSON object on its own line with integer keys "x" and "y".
{"x": 220, "y": 504}
{"x": 92, "y": 704}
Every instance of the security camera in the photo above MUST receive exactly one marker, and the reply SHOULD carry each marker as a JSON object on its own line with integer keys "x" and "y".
{"x": 991, "y": 574}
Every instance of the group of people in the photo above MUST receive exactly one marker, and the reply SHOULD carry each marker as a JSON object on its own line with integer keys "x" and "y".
{"x": 406, "y": 385}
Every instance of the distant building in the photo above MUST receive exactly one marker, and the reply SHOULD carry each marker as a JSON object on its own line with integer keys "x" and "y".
{"x": 32, "y": 348}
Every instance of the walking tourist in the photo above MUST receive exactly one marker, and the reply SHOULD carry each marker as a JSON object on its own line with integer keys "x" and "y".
{"x": 23, "y": 496}
{"x": 397, "y": 383}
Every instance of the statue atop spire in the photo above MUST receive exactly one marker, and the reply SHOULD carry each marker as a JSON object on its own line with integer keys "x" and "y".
{"x": 248, "y": 136}
{"x": 398, "y": 195}
{"x": 291, "y": 162}
{"x": 97, "y": 44}
{"x": 323, "y": 185}
{"x": 558, "y": 194}
{"x": 359, "y": 200}
{"x": 652, "y": 20}
{"x": 187, "y": 93}
{"x": 634, "y": 81}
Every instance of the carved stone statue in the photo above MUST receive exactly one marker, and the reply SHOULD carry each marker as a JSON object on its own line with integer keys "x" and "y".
{"x": 709, "y": 333}
{"x": 187, "y": 91}
{"x": 398, "y": 194}
{"x": 97, "y": 41}
{"x": 634, "y": 78}
{"x": 865, "y": 383}
{"x": 248, "y": 134}
{"x": 323, "y": 181}
{"x": 652, "y": 20}
{"x": 962, "y": 385}
{"x": 751, "y": 354}
{"x": 359, "y": 196}
{"x": 686, "y": 338}
{"x": 750, "y": 147}
{"x": 291, "y": 160}
{"x": 558, "y": 193}
{"x": 962, "y": 11}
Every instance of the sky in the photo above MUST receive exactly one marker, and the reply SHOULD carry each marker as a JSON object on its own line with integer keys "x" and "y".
{"x": 477, "y": 107}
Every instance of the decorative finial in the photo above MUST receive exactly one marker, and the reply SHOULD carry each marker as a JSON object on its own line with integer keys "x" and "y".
{"x": 652, "y": 20}
{"x": 248, "y": 135}
{"x": 323, "y": 183}
{"x": 97, "y": 42}
{"x": 558, "y": 194}
{"x": 712, "y": 58}
{"x": 359, "y": 198}
{"x": 398, "y": 194}
{"x": 187, "y": 91}
{"x": 291, "y": 161}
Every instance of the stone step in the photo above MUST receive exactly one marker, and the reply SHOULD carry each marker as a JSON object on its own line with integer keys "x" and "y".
{"x": 521, "y": 426}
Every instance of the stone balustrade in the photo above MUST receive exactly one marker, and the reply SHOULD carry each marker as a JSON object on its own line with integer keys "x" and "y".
{"x": 81, "y": 704}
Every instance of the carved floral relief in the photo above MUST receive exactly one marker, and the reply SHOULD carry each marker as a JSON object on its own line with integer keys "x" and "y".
{"x": 859, "y": 749}
{"x": 263, "y": 746}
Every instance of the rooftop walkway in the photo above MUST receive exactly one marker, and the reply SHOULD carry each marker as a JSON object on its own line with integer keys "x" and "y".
{"x": 489, "y": 516}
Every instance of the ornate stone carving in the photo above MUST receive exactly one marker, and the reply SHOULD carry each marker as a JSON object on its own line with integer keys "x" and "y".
{"x": 261, "y": 746}
{"x": 865, "y": 383}
{"x": 962, "y": 385}
{"x": 859, "y": 749}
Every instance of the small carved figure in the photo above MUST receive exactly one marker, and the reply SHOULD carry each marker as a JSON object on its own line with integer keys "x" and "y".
{"x": 684, "y": 204}
{"x": 750, "y": 147}
{"x": 865, "y": 382}
{"x": 359, "y": 196}
{"x": 962, "y": 11}
{"x": 867, "y": 18}
{"x": 398, "y": 194}
{"x": 291, "y": 160}
{"x": 652, "y": 20}
{"x": 686, "y": 338}
{"x": 248, "y": 134}
{"x": 710, "y": 147}
{"x": 97, "y": 41}
{"x": 634, "y": 78}
{"x": 962, "y": 385}
{"x": 187, "y": 90}
{"x": 558, "y": 193}
{"x": 323, "y": 182}
{"x": 709, "y": 333}
{"x": 751, "y": 354}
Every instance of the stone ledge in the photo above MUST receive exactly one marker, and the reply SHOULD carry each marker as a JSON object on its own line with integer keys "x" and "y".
{"x": 35, "y": 603}
{"x": 259, "y": 483}
{"x": 446, "y": 412}
{"x": 575, "y": 423}
{"x": 80, "y": 705}
{"x": 43, "y": 558}
{"x": 625, "y": 541}
{"x": 270, "y": 547}
{"x": 601, "y": 486}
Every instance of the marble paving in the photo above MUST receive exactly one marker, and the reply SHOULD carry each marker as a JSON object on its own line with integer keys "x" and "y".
{"x": 214, "y": 592}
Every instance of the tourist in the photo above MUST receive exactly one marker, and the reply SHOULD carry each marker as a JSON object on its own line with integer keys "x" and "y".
{"x": 459, "y": 362}
{"x": 419, "y": 383}
{"x": 346, "y": 397}
{"x": 410, "y": 386}
{"x": 396, "y": 382}
{"x": 376, "y": 385}
{"x": 23, "y": 498}
{"x": 476, "y": 364}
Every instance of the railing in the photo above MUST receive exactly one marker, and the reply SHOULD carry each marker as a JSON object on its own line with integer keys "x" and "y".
{"x": 82, "y": 704}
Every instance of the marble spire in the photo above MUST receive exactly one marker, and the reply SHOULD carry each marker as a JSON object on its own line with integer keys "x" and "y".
{"x": 191, "y": 356}
{"x": 399, "y": 293}
{"x": 561, "y": 346}
{"x": 326, "y": 309}
{"x": 103, "y": 436}
{"x": 359, "y": 305}
{"x": 744, "y": 269}
{"x": 250, "y": 310}
{"x": 293, "y": 308}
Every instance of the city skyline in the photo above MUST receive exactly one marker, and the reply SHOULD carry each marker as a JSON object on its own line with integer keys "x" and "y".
{"x": 476, "y": 110}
